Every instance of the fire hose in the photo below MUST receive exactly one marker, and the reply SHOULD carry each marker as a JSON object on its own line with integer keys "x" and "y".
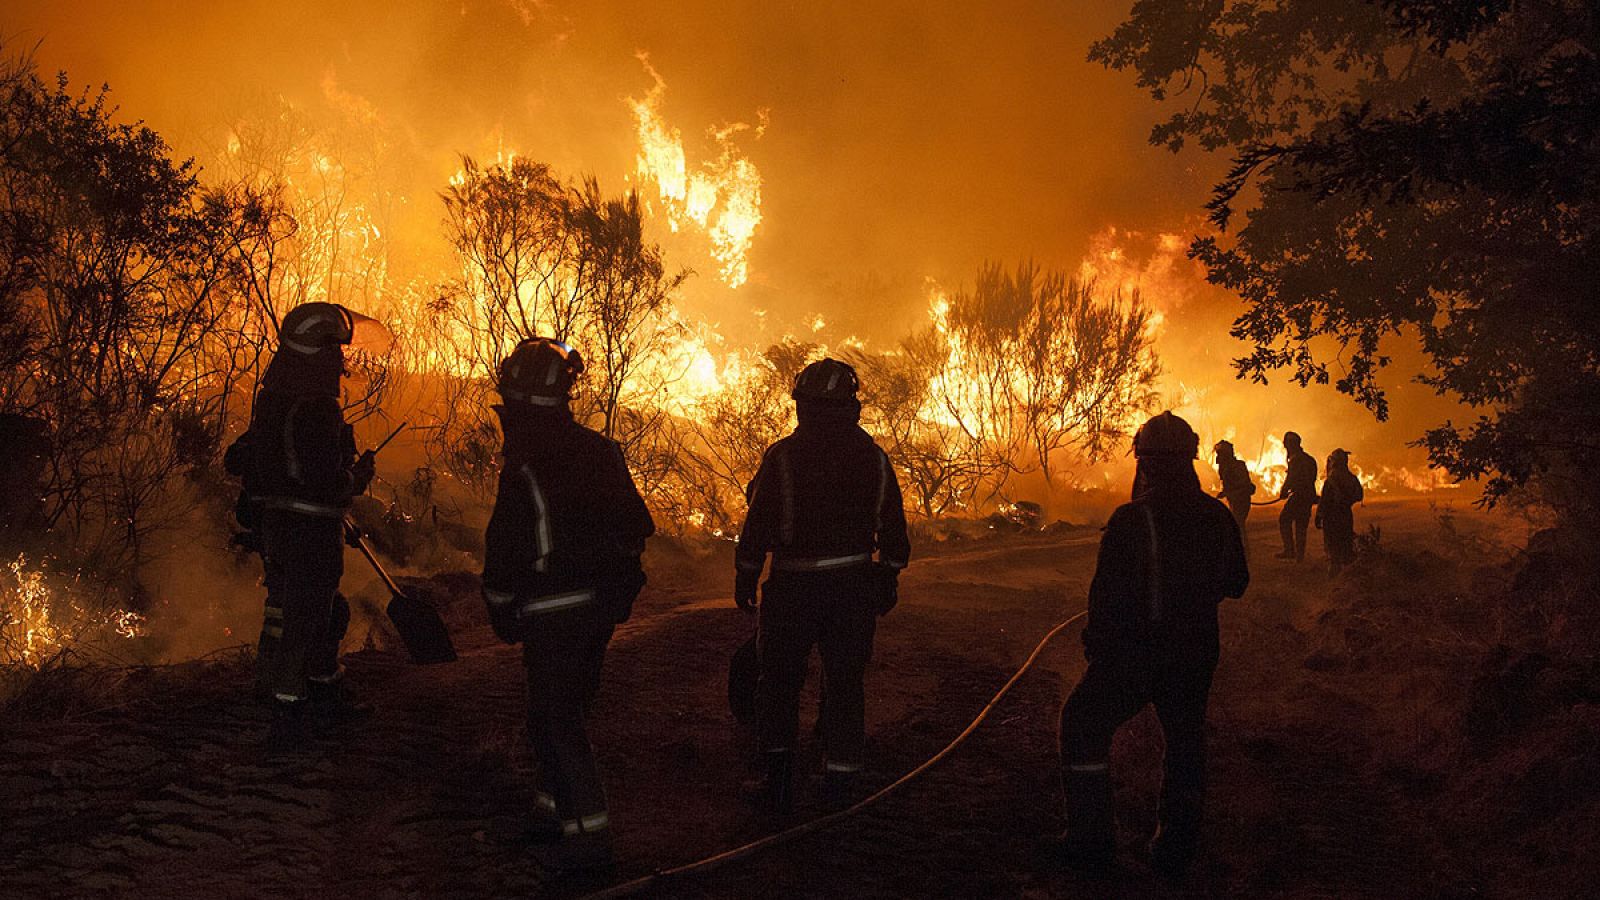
{"x": 659, "y": 876}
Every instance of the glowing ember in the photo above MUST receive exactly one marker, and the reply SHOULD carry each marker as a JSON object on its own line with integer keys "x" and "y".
{"x": 39, "y": 621}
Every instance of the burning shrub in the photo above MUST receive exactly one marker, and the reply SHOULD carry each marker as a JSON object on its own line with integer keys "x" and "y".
{"x": 718, "y": 442}
{"x": 113, "y": 275}
{"x": 540, "y": 257}
{"x": 43, "y": 617}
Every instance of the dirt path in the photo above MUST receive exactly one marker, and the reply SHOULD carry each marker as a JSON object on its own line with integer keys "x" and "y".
{"x": 171, "y": 797}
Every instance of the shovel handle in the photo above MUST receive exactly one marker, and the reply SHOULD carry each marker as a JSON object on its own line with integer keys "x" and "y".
{"x": 361, "y": 544}
{"x": 392, "y": 435}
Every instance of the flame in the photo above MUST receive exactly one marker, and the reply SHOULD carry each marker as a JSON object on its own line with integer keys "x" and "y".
{"x": 337, "y": 251}
{"x": 722, "y": 197}
{"x": 1270, "y": 466}
{"x": 38, "y": 620}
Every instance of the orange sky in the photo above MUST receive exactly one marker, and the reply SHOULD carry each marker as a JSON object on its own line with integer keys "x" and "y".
{"x": 905, "y": 142}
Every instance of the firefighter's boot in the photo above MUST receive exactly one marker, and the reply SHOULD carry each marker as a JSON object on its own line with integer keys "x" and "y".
{"x": 1178, "y": 838}
{"x": 580, "y": 853}
{"x": 840, "y": 780}
{"x": 332, "y": 706}
{"x": 1090, "y": 840}
{"x": 288, "y": 732}
{"x": 774, "y": 793}
{"x": 583, "y": 846}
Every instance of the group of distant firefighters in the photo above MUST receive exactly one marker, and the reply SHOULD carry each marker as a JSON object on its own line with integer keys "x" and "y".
{"x": 562, "y": 568}
{"x": 1341, "y": 491}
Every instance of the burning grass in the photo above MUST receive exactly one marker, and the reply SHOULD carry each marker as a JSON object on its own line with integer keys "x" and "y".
{"x": 44, "y": 617}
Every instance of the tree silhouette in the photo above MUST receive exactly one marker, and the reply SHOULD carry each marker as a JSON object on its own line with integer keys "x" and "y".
{"x": 1422, "y": 171}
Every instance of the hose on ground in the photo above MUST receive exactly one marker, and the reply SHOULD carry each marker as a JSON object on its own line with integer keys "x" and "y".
{"x": 658, "y": 877}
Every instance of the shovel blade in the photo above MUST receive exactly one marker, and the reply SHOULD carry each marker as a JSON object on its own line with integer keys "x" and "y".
{"x": 421, "y": 630}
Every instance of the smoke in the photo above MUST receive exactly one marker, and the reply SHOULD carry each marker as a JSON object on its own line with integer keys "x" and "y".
{"x": 898, "y": 144}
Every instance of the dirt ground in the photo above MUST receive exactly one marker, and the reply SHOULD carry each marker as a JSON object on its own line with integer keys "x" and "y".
{"x": 167, "y": 795}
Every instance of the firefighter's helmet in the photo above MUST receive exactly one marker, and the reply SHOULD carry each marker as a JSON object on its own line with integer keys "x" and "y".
{"x": 311, "y": 328}
{"x": 540, "y": 371}
{"x": 1223, "y": 448}
{"x": 1166, "y": 435}
{"x": 826, "y": 379}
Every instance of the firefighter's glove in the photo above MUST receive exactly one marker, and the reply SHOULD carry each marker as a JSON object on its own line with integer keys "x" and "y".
{"x": 366, "y": 466}
{"x": 888, "y": 588}
{"x": 618, "y": 593}
{"x": 1318, "y": 520}
{"x": 352, "y": 534}
{"x": 246, "y": 542}
{"x": 236, "y": 459}
{"x": 746, "y": 582}
{"x": 503, "y": 616}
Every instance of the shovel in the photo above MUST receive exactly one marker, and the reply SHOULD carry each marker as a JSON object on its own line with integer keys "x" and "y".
{"x": 423, "y": 632}
{"x": 419, "y": 625}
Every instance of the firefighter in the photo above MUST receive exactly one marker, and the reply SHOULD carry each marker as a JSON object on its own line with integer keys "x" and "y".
{"x": 1237, "y": 486}
{"x": 300, "y": 469}
{"x": 1340, "y": 492}
{"x": 561, "y": 571}
{"x": 824, "y": 499}
{"x": 1166, "y": 560}
{"x": 1299, "y": 494}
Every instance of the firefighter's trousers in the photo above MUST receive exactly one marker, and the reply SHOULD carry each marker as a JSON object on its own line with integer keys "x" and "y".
{"x": 562, "y": 652}
{"x": 1339, "y": 536}
{"x": 305, "y": 617}
{"x": 1292, "y": 525}
{"x": 1112, "y": 692}
{"x": 832, "y": 611}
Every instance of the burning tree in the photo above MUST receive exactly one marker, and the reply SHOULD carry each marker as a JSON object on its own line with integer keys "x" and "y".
{"x": 541, "y": 257}
{"x": 299, "y": 228}
{"x": 1031, "y": 364}
{"x": 717, "y": 442}
{"x": 942, "y": 465}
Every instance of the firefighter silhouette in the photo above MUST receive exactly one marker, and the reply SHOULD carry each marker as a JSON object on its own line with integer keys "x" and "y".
{"x": 1340, "y": 492}
{"x": 561, "y": 571}
{"x": 1166, "y": 560}
{"x": 823, "y": 501}
{"x": 1299, "y": 494}
{"x": 300, "y": 470}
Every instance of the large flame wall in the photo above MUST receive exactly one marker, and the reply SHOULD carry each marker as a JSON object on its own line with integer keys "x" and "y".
{"x": 817, "y": 167}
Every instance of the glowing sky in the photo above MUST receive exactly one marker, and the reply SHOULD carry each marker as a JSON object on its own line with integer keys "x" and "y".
{"x": 903, "y": 141}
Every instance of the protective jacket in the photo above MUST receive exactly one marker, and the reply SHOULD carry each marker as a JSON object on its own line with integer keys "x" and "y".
{"x": 825, "y": 497}
{"x": 1236, "y": 479}
{"x": 1300, "y": 482}
{"x": 567, "y": 519}
{"x": 1166, "y": 560}
{"x": 1340, "y": 491}
{"x": 300, "y": 454}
